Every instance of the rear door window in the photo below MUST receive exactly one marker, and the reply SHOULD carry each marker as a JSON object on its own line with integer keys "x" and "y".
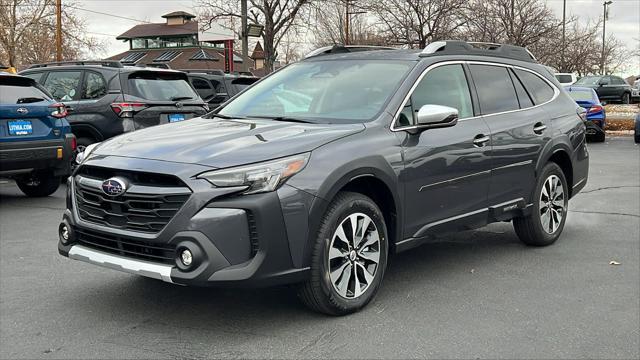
{"x": 495, "y": 89}
{"x": 95, "y": 86}
{"x": 539, "y": 89}
{"x": 523, "y": 96}
{"x": 63, "y": 85}
{"x": 161, "y": 87}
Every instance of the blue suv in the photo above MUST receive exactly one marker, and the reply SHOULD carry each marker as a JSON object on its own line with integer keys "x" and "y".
{"x": 36, "y": 143}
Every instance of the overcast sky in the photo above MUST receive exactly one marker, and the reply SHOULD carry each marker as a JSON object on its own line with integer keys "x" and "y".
{"x": 624, "y": 18}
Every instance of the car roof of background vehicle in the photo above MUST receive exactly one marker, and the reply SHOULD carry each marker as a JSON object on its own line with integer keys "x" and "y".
{"x": 96, "y": 64}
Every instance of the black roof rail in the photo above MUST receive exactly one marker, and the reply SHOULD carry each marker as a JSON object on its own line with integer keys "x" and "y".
{"x": 106, "y": 63}
{"x": 340, "y": 49}
{"x": 457, "y": 47}
{"x": 205, "y": 71}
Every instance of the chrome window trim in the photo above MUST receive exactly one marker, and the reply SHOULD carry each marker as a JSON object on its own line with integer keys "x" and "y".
{"x": 556, "y": 91}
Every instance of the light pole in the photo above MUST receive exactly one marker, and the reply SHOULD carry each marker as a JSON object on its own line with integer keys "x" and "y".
{"x": 244, "y": 35}
{"x": 564, "y": 25}
{"x": 604, "y": 30}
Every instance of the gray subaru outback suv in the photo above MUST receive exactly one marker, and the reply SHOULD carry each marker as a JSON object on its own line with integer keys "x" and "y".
{"x": 320, "y": 172}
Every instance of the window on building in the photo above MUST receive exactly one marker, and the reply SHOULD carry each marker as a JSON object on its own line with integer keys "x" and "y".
{"x": 167, "y": 56}
{"x": 133, "y": 57}
{"x": 138, "y": 43}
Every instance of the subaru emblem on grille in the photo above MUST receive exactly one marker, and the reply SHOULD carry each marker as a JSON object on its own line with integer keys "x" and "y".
{"x": 114, "y": 186}
{"x": 22, "y": 110}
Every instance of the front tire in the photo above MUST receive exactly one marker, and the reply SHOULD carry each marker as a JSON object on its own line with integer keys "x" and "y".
{"x": 39, "y": 184}
{"x": 550, "y": 207}
{"x": 349, "y": 256}
{"x": 626, "y": 98}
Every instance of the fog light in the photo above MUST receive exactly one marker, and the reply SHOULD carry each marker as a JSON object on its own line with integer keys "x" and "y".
{"x": 65, "y": 233}
{"x": 186, "y": 257}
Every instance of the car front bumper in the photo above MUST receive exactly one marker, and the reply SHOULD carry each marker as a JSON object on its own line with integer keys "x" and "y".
{"x": 252, "y": 240}
{"x": 22, "y": 157}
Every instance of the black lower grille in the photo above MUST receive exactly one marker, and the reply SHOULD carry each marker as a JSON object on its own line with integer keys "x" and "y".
{"x": 253, "y": 233}
{"x": 147, "y": 213}
{"x": 143, "y": 250}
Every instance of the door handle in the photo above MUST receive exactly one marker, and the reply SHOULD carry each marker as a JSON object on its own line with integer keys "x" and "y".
{"x": 539, "y": 128}
{"x": 68, "y": 107}
{"x": 481, "y": 140}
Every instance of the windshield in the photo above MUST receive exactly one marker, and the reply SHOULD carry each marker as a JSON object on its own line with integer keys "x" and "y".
{"x": 161, "y": 88}
{"x": 335, "y": 91}
{"x": 581, "y": 95}
{"x": 588, "y": 80}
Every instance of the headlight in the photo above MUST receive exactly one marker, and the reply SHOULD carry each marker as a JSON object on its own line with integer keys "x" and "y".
{"x": 262, "y": 177}
{"x": 81, "y": 157}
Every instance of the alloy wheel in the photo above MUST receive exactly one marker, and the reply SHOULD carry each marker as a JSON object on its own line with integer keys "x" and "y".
{"x": 552, "y": 204}
{"x": 354, "y": 255}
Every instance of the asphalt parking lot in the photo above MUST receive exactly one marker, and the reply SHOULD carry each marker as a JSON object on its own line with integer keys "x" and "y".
{"x": 478, "y": 294}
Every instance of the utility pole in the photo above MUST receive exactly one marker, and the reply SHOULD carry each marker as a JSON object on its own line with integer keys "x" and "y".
{"x": 58, "y": 30}
{"x": 604, "y": 29}
{"x": 346, "y": 22}
{"x": 244, "y": 35}
{"x": 564, "y": 25}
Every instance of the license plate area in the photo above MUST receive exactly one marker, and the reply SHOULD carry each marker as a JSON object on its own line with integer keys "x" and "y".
{"x": 176, "y": 118}
{"x": 20, "y": 127}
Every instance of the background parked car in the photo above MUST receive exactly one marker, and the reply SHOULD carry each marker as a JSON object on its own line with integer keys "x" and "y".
{"x": 607, "y": 87}
{"x": 566, "y": 79}
{"x": 216, "y": 87}
{"x": 105, "y": 98}
{"x": 36, "y": 144}
{"x": 596, "y": 115}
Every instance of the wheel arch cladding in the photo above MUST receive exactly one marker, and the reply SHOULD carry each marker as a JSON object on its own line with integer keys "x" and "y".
{"x": 86, "y": 130}
{"x": 562, "y": 158}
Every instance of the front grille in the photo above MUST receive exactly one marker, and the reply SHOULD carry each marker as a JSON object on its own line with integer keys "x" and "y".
{"x": 143, "y": 250}
{"x": 143, "y": 208}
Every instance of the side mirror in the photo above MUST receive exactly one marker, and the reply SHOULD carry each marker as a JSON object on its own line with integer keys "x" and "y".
{"x": 437, "y": 116}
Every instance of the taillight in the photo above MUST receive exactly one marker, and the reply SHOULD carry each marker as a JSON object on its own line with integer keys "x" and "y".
{"x": 59, "y": 111}
{"x": 594, "y": 109}
{"x": 74, "y": 143}
{"x": 126, "y": 110}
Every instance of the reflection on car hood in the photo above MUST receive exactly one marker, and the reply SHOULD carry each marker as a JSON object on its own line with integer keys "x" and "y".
{"x": 224, "y": 143}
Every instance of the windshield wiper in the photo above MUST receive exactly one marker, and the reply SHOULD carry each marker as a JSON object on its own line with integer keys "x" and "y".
{"x": 226, "y": 117}
{"x": 285, "y": 118}
{"x": 28, "y": 100}
{"x": 178, "y": 98}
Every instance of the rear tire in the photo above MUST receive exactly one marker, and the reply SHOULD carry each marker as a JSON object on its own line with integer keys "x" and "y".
{"x": 600, "y": 137}
{"x": 626, "y": 98}
{"x": 39, "y": 184}
{"x": 347, "y": 266}
{"x": 550, "y": 207}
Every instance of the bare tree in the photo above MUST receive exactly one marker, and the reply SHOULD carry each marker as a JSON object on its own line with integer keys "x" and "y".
{"x": 415, "y": 23}
{"x": 26, "y": 29}
{"x": 277, "y": 16}
{"x": 328, "y": 24}
{"x": 515, "y": 22}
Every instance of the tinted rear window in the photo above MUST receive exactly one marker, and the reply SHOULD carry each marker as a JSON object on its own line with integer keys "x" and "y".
{"x": 539, "y": 89}
{"x": 161, "y": 87}
{"x": 16, "y": 94}
{"x": 495, "y": 89}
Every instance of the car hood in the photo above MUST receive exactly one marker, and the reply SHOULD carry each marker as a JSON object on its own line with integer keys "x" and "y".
{"x": 224, "y": 143}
